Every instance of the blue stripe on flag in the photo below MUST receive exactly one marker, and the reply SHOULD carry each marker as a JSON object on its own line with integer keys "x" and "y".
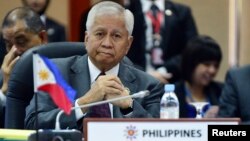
{"x": 59, "y": 79}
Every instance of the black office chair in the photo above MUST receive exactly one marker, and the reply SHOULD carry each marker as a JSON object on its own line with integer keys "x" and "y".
{"x": 20, "y": 89}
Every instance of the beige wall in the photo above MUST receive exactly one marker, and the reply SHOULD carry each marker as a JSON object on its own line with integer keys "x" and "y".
{"x": 245, "y": 34}
{"x": 6, "y": 5}
{"x": 58, "y": 9}
{"x": 211, "y": 17}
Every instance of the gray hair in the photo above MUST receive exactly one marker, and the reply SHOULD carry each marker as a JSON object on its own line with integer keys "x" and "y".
{"x": 108, "y": 7}
{"x": 31, "y": 19}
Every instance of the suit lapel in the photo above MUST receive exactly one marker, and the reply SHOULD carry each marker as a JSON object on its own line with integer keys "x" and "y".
{"x": 128, "y": 80}
{"x": 81, "y": 84}
{"x": 127, "y": 77}
{"x": 78, "y": 77}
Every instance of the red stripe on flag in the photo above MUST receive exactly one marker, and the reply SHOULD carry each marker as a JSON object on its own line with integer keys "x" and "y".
{"x": 58, "y": 95}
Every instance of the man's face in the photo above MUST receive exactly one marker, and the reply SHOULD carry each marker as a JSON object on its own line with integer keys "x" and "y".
{"x": 37, "y": 5}
{"x": 107, "y": 41}
{"x": 18, "y": 36}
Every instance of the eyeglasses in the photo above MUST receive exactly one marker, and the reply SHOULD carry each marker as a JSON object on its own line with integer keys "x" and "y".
{"x": 197, "y": 109}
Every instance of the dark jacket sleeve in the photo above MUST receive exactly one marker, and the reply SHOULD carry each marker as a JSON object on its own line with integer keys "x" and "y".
{"x": 149, "y": 107}
{"x": 2, "y": 111}
{"x": 229, "y": 97}
{"x": 47, "y": 112}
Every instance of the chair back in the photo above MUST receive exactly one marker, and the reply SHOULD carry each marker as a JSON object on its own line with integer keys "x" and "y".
{"x": 21, "y": 88}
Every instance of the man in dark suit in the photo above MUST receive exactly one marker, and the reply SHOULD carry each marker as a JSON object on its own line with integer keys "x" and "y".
{"x": 164, "y": 42}
{"x": 235, "y": 97}
{"x": 56, "y": 31}
{"x": 22, "y": 29}
{"x": 2, "y": 49}
{"x": 2, "y": 97}
{"x": 108, "y": 39}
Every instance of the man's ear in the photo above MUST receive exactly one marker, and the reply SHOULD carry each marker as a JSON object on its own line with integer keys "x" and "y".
{"x": 86, "y": 38}
{"x": 44, "y": 36}
{"x": 130, "y": 40}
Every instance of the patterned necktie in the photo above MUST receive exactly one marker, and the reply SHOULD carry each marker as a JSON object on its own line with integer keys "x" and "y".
{"x": 100, "y": 111}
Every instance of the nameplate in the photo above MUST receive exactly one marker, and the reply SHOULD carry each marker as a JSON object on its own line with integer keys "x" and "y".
{"x": 151, "y": 129}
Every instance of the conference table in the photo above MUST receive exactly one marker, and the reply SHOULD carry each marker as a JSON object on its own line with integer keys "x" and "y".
{"x": 131, "y": 129}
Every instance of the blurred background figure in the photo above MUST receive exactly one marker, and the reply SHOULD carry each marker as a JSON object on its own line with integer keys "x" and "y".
{"x": 56, "y": 31}
{"x": 235, "y": 97}
{"x": 161, "y": 31}
{"x": 22, "y": 29}
{"x": 2, "y": 49}
{"x": 2, "y": 97}
{"x": 200, "y": 64}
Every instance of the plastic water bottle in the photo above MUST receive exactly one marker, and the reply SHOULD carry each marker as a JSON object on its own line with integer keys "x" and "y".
{"x": 169, "y": 103}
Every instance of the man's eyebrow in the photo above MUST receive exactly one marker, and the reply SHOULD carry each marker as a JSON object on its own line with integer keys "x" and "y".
{"x": 5, "y": 40}
{"x": 19, "y": 36}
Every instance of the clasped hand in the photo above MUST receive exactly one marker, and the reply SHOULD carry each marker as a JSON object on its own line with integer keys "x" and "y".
{"x": 108, "y": 87}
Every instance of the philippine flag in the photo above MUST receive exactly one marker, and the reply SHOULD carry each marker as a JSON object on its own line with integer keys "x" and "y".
{"x": 47, "y": 78}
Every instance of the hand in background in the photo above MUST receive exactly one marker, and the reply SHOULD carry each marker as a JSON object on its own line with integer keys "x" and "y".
{"x": 9, "y": 61}
{"x": 160, "y": 76}
{"x": 212, "y": 112}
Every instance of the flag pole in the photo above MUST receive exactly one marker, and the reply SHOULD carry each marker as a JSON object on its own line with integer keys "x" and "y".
{"x": 36, "y": 116}
{"x": 36, "y": 100}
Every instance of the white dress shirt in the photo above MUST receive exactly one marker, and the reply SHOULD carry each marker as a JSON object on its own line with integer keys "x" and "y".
{"x": 2, "y": 98}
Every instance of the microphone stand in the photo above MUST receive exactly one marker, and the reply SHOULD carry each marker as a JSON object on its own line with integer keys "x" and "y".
{"x": 35, "y": 92}
{"x": 140, "y": 94}
{"x": 36, "y": 109}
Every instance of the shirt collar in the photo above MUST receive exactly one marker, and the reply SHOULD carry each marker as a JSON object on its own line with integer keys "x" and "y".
{"x": 146, "y": 4}
{"x": 43, "y": 18}
{"x": 94, "y": 71}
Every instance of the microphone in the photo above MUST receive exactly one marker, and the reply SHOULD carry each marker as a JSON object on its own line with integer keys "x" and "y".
{"x": 139, "y": 94}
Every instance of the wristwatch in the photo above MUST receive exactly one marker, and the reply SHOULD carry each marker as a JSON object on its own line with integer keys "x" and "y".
{"x": 129, "y": 109}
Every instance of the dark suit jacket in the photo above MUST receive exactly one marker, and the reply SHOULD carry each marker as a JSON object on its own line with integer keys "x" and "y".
{"x": 213, "y": 92}
{"x": 2, "y": 107}
{"x": 235, "y": 98}
{"x": 2, "y": 49}
{"x": 2, "y": 54}
{"x": 56, "y": 31}
{"x": 75, "y": 71}
{"x": 177, "y": 30}
{"x": 2, "y": 114}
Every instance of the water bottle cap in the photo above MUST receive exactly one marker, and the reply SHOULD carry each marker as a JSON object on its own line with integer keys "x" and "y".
{"x": 169, "y": 87}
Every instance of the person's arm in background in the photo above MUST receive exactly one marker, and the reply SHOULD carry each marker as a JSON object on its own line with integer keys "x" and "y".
{"x": 2, "y": 49}
{"x": 62, "y": 33}
{"x": 189, "y": 30}
{"x": 47, "y": 112}
{"x": 229, "y": 98}
{"x": 8, "y": 63}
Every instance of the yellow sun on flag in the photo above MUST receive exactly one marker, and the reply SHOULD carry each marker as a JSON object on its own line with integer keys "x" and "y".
{"x": 43, "y": 74}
